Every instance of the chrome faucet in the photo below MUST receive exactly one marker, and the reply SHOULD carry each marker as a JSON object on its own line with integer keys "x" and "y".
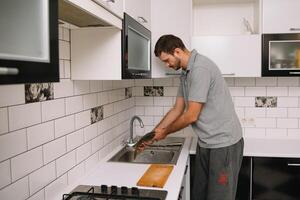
{"x": 130, "y": 141}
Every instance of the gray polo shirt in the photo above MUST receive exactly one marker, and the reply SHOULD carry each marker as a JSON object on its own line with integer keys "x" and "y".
{"x": 218, "y": 124}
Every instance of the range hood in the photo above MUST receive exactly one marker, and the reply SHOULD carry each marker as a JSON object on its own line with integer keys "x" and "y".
{"x": 86, "y": 13}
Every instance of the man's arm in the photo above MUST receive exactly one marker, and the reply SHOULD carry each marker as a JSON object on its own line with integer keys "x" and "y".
{"x": 185, "y": 119}
{"x": 173, "y": 113}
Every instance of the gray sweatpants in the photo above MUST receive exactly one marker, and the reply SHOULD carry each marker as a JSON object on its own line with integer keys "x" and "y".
{"x": 216, "y": 172}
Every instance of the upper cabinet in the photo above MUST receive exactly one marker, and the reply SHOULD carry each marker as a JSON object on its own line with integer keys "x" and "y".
{"x": 169, "y": 17}
{"x": 115, "y": 6}
{"x": 140, "y": 10}
{"x": 281, "y": 16}
{"x": 228, "y": 32}
{"x": 29, "y": 41}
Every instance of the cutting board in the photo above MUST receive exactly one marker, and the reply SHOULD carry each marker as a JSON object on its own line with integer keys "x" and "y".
{"x": 156, "y": 176}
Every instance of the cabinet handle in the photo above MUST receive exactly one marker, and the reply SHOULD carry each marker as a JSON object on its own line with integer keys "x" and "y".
{"x": 112, "y": 1}
{"x": 8, "y": 71}
{"x": 294, "y": 72}
{"x": 229, "y": 74}
{"x": 186, "y": 168}
{"x": 142, "y": 19}
{"x": 294, "y": 29}
{"x": 172, "y": 73}
{"x": 293, "y": 164}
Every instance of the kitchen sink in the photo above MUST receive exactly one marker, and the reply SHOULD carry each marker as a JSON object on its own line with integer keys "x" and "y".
{"x": 165, "y": 151}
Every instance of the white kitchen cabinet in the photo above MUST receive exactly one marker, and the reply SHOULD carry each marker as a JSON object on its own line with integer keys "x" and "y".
{"x": 169, "y": 17}
{"x": 140, "y": 10}
{"x": 235, "y": 55}
{"x": 281, "y": 16}
{"x": 114, "y": 6}
{"x": 96, "y": 54}
{"x": 185, "y": 185}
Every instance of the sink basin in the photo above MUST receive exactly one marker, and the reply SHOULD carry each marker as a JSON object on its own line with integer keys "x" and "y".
{"x": 162, "y": 152}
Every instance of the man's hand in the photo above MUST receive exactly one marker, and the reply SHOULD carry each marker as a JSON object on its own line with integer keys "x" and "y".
{"x": 160, "y": 134}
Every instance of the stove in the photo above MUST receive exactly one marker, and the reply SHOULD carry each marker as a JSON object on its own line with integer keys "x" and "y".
{"x": 104, "y": 192}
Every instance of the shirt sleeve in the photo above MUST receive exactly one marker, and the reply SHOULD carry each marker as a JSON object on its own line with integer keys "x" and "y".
{"x": 200, "y": 84}
{"x": 179, "y": 91}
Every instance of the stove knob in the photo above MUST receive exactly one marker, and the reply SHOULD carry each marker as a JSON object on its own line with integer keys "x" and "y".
{"x": 103, "y": 188}
{"x": 114, "y": 189}
{"x": 124, "y": 190}
{"x": 135, "y": 191}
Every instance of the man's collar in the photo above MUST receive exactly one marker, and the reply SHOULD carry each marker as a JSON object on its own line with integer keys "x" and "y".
{"x": 191, "y": 60}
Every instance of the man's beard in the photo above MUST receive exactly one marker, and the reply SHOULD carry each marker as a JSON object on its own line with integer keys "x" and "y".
{"x": 177, "y": 65}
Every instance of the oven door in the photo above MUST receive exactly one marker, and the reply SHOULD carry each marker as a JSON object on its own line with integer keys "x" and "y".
{"x": 281, "y": 54}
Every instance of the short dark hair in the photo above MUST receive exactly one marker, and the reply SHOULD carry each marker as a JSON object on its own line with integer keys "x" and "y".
{"x": 167, "y": 44}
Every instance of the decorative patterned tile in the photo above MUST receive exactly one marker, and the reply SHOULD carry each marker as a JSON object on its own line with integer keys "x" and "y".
{"x": 37, "y": 92}
{"x": 153, "y": 91}
{"x": 266, "y": 102}
{"x": 96, "y": 114}
{"x": 128, "y": 93}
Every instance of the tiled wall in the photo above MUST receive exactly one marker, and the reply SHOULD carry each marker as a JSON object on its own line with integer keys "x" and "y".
{"x": 50, "y": 138}
{"x": 267, "y": 107}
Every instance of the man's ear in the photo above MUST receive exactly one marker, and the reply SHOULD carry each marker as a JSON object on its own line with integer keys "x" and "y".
{"x": 177, "y": 51}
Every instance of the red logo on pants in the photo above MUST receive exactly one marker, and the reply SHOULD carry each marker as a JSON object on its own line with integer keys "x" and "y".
{"x": 223, "y": 178}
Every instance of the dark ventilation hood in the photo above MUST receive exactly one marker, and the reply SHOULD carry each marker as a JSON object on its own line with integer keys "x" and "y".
{"x": 87, "y": 14}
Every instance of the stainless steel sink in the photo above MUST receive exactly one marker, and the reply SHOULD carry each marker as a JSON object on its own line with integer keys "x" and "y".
{"x": 163, "y": 152}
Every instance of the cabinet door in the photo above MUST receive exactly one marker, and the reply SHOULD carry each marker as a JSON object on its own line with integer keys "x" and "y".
{"x": 236, "y": 56}
{"x": 244, "y": 182}
{"x": 276, "y": 179}
{"x": 115, "y": 6}
{"x": 29, "y": 41}
{"x": 169, "y": 17}
{"x": 140, "y": 10}
{"x": 281, "y": 16}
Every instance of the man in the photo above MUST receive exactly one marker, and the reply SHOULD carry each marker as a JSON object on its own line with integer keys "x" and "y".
{"x": 204, "y": 102}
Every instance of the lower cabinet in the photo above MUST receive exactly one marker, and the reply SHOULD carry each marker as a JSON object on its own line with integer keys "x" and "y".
{"x": 276, "y": 178}
{"x": 184, "y": 193}
{"x": 244, "y": 186}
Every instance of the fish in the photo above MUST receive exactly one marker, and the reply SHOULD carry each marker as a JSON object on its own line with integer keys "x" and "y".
{"x": 147, "y": 137}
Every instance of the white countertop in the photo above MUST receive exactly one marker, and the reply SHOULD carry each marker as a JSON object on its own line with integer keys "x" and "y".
{"x": 128, "y": 174}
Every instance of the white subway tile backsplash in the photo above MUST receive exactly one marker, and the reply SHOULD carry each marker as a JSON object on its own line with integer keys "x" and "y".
{"x": 294, "y": 112}
{"x": 265, "y": 122}
{"x": 90, "y": 132}
{"x": 255, "y": 91}
{"x": 277, "y": 112}
{"x": 97, "y": 143}
{"x": 60, "y": 33}
{"x": 16, "y": 191}
{"x": 244, "y": 101}
{"x": 27, "y": 162}
{"x": 288, "y": 81}
{"x": 12, "y": 144}
{"x": 103, "y": 98}
{"x": 143, "y": 82}
{"x": 91, "y": 162}
{"x": 276, "y": 133}
{"x": 54, "y": 149}
{"x": 64, "y": 50}
{"x": 294, "y": 91}
{"x": 255, "y": 112}
{"x": 240, "y": 112}
{"x": 170, "y": 91}
{"x": 74, "y": 140}
{"x": 40, "y": 195}
{"x": 83, "y": 152}
{"x": 64, "y": 125}
{"x": 90, "y": 101}
{"x": 237, "y": 91}
{"x": 95, "y": 86}
{"x": 287, "y": 102}
{"x": 66, "y": 34}
{"x": 277, "y": 91}
{"x": 3, "y": 120}
{"x": 294, "y": 133}
{"x": 67, "y": 66}
{"x": 5, "y": 173}
{"x": 244, "y": 82}
{"x": 147, "y": 120}
{"x": 12, "y": 95}
{"x": 56, "y": 187}
{"x": 74, "y": 104}
{"x": 40, "y": 134}
{"x": 108, "y": 110}
{"x": 81, "y": 87}
{"x": 104, "y": 125}
{"x": 266, "y": 81}
{"x": 53, "y": 109}
{"x": 255, "y": 132}
{"x": 144, "y": 101}
{"x": 287, "y": 123}
{"x": 65, "y": 163}
{"x": 41, "y": 177}
{"x": 61, "y": 69}
{"x": 162, "y": 82}
{"x": 154, "y": 111}
{"x": 107, "y": 85}
{"x": 138, "y": 91}
{"x": 76, "y": 173}
{"x": 64, "y": 88}
{"x": 24, "y": 115}
{"x": 82, "y": 119}
{"x": 139, "y": 110}
{"x": 176, "y": 81}
{"x": 163, "y": 101}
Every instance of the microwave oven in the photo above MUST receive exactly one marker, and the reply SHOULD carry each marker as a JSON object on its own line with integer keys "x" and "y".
{"x": 281, "y": 54}
{"x": 136, "y": 49}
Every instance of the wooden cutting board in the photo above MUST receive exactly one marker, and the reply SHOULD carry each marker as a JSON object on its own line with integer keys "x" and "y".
{"x": 156, "y": 176}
